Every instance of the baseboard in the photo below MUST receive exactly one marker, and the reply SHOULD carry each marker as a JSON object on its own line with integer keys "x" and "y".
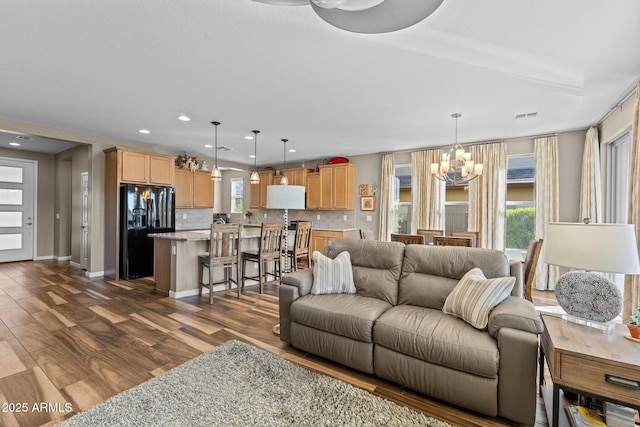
{"x": 43, "y": 258}
{"x": 75, "y": 264}
{"x": 63, "y": 258}
{"x": 92, "y": 274}
{"x": 187, "y": 293}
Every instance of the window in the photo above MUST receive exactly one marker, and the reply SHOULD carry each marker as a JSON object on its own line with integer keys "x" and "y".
{"x": 520, "y": 226}
{"x": 618, "y": 164}
{"x": 456, "y": 208}
{"x": 402, "y": 206}
{"x": 237, "y": 191}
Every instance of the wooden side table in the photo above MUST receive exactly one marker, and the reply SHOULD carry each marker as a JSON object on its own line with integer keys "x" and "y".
{"x": 587, "y": 361}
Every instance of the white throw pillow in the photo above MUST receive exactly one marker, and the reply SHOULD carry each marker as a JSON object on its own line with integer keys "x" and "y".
{"x": 475, "y": 296}
{"x": 332, "y": 276}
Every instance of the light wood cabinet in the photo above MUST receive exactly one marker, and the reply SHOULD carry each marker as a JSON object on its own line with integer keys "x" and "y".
{"x": 335, "y": 188}
{"x": 321, "y": 238}
{"x": 193, "y": 189}
{"x": 295, "y": 176}
{"x": 258, "y": 192}
{"x": 313, "y": 190}
{"x": 144, "y": 168}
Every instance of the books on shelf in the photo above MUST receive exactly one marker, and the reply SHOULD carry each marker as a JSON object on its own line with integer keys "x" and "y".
{"x": 579, "y": 416}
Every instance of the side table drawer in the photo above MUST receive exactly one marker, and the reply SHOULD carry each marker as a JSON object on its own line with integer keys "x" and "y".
{"x": 590, "y": 376}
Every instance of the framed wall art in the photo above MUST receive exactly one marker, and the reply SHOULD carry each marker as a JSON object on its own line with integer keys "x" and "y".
{"x": 367, "y": 203}
{"x": 364, "y": 189}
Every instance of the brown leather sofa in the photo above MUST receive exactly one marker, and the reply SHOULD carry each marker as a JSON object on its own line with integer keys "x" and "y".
{"x": 394, "y": 327}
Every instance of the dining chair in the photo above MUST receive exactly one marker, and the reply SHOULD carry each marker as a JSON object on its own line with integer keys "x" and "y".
{"x": 473, "y": 235}
{"x": 301, "y": 244}
{"x": 224, "y": 252}
{"x": 452, "y": 241}
{"x": 269, "y": 250}
{"x": 429, "y": 235}
{"x": 530, "y": 264}
{"x": 408, "y": 239}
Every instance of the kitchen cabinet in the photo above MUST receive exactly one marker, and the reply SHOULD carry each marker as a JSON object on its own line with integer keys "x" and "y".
{"x": 295, "y": 176}
{"x": 336, "y": 187}
{"x": 313, "y": 190}
{"x": 144, "y": 168}
{"x": 193, "y": 189}
{"x": 322, "y": 237}
{"x": 258, "y": 192}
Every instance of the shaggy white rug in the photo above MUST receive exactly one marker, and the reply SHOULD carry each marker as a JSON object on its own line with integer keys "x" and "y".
{"x": 238, "y": 384}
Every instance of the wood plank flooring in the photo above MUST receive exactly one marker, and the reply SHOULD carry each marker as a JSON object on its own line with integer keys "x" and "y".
{"x": 70, "y": 342}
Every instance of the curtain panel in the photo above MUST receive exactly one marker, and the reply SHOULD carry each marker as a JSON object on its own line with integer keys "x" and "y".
{"x": 547, "y": 208}
{"x": 632, "y": 283}
{"x": 427, "y": 192}
{"x": 488, "y": 195}
{"x": 387, "y": 198}
{"x": 590, "y": 188}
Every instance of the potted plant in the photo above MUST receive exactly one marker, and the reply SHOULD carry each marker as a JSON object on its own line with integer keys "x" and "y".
{"x": 634, "y": 323}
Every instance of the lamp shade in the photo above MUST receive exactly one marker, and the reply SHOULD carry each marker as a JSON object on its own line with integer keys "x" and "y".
{"x": 285, "y": 197}
{"x": 610, "y": 248}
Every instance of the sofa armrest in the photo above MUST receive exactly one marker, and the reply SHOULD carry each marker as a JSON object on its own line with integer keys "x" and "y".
{"x": 292, "y": 287}
{"x": 515, "y": 269}
{"x": 515, "y": 313}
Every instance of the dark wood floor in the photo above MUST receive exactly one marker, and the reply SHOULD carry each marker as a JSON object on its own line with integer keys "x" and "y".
{"x": 69, "y": 342}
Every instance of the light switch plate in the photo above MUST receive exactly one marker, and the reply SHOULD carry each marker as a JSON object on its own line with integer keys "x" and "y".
{"x": 369, "y": 218}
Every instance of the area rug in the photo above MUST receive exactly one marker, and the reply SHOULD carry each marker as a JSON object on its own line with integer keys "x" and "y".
{"x": 238, "y": 384}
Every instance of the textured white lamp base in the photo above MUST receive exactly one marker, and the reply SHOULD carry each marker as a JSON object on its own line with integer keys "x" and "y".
{"x": 605, "y": 327}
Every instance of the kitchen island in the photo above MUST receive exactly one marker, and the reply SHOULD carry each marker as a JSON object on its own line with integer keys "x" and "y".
{"x": 176, "y": 260}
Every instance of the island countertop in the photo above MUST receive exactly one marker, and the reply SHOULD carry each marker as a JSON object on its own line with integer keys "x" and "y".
{"x": 200, "y": 235}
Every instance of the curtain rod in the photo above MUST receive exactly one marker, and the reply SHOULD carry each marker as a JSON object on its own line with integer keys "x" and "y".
{"x": 625, "y": 96}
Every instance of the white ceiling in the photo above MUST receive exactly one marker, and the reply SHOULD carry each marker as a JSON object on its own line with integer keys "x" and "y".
{"x": 112, "y": 67}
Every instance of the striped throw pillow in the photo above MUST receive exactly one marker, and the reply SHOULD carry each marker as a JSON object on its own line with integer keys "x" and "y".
{"x": 332, "y": 276}
{"x": 475, "y": 296}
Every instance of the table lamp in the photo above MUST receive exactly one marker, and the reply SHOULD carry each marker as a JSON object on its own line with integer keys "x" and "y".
{"x": 285, "y": 197}
{"x": 590, "y": 298}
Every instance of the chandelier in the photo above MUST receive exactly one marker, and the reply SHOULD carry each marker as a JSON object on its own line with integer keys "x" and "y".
{"x": 456, "y": 166}
{"x": 367, "y": 16}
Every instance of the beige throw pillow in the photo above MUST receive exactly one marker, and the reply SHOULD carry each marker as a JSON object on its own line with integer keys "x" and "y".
{"x": 475, "y": 296}
{"x": 332, "y": 276}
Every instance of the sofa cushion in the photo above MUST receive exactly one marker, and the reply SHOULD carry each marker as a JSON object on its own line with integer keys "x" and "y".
{"x": 430, "y": 273}
{"x": 438, "y": 338}
{"x": 332, "y": 276}
{"x": 376, "y": 266}
{"x": 348, "y": 315}
{"x": 475, "y": 296}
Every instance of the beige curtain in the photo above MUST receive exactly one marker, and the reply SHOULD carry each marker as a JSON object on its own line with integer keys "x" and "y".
{"x": 632, "y": 283}
{"x": 487, "y": 195}
{"x": 590, "y": 190}
{"x": 546, "y": 172}
{"x": 427, "y": 192}
{"x": 387, "y": 198}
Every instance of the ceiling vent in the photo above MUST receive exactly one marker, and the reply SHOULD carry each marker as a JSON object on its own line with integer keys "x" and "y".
{"x": 22, "y": 137}
{"x": 525, "y": 116}
{"x": 225, "y": 149}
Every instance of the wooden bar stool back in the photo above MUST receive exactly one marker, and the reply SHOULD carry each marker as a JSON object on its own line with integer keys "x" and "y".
{"x": 301, "y": 244}
{"x": 452, "y": 241}
{"x": 269, "y": 250}
{"x": 224, "y": 252}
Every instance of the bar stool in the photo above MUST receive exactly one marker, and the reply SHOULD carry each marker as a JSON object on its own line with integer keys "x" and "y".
{"x": 224, "y": 252}
{"x": 269, "y": 250}
{"x": 301, "y": 244}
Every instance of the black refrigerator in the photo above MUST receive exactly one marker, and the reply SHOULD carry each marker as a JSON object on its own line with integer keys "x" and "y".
{"x": 144, "y": 209}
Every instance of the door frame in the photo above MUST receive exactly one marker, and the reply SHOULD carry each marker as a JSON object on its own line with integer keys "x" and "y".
{"x": 34, "y": 235}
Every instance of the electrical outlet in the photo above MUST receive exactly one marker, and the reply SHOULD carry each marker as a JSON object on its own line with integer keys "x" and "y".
{"x": 57, "y": 216}
{"x": 344, "y": 217}
{"x": 264, "y": 215}
{"x": 318, "y": 216}
{"x": 369, "y": 218}
{"x": 184, "y": 216}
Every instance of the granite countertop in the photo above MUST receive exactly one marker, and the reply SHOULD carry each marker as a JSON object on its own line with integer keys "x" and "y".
{"x": 198, "y": 235}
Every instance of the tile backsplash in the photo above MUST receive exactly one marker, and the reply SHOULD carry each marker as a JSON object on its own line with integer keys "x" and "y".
{"x": 193, "y": 219}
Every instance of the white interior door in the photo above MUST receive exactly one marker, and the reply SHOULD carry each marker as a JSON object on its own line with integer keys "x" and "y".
{"x": 17, "y": 207}
{"x": 84, "y": 232}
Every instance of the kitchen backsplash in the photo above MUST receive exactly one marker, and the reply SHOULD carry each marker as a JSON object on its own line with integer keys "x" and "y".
{"x": 193, "y": 219}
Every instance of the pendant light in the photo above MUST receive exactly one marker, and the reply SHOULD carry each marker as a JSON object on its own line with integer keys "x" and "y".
{"x": 284, "y": 180}
{"x": 255, "y": 178}
{"x": 215, "y": 173}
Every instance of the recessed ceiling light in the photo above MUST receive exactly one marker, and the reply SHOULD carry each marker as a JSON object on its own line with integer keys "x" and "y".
{"x": 208, "y": 146}
{"x": 252, "y": 156}
{"x": 184, "y": 118}
{"x": 292, "y": 150}
{"x": 145, "y": 131}
{"x": 15, "y": 144}
{"x": 248, "y": 137}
